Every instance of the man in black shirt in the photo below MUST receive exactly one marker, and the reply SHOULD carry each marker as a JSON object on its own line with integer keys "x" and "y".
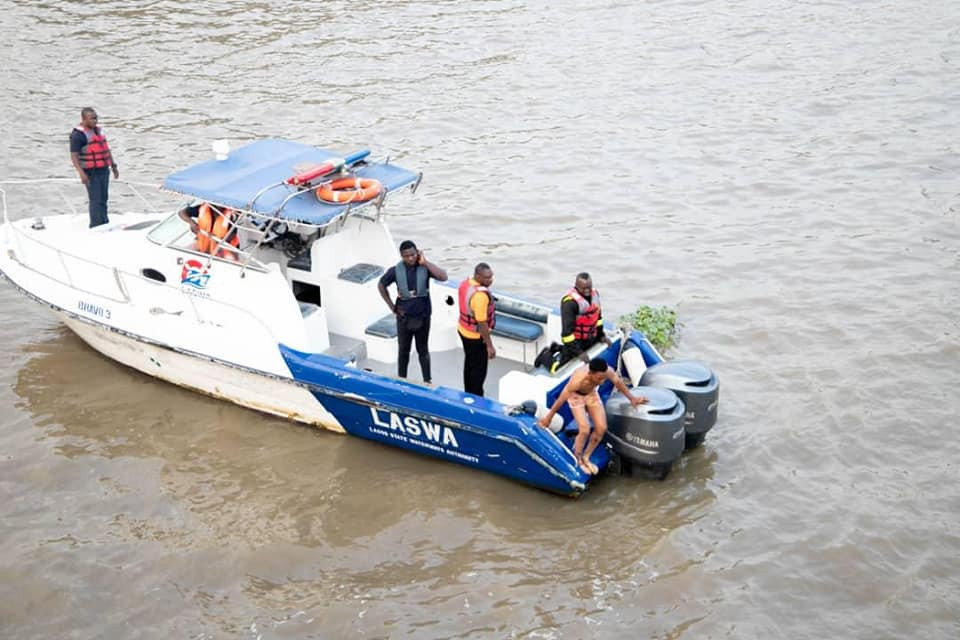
{"x": 581, "y": 320}
{"x": 412, "y": 306}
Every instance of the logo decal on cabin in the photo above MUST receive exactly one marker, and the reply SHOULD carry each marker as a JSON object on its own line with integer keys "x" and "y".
{"x": 194, "y": 275}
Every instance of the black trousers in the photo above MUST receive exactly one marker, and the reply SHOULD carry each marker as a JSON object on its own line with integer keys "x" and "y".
{"x": 408, "y": 331}
{"x": 575, "y": 348}
{"x": 98, "y": 190}
{"x": 474, "y": 364}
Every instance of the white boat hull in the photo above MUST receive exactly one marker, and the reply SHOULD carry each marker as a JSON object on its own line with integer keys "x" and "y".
{"x": 254, "y": 390}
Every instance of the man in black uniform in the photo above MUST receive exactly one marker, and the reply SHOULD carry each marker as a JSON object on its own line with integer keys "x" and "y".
{"x": 412, "y": 306}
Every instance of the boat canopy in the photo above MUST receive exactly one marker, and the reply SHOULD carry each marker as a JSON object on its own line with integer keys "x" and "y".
{"x": 252, "y": 178}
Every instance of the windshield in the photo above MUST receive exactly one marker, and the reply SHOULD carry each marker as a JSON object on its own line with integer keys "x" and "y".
{"x": 169, "y": 230}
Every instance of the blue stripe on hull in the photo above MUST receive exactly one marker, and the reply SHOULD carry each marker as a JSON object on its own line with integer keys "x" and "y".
{"x": 438, "y": 422}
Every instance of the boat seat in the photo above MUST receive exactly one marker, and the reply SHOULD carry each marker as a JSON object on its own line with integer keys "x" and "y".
{"x": 517, "y": 328}
{"x": 385, "y": 327}
{"x": 361, "y": 272}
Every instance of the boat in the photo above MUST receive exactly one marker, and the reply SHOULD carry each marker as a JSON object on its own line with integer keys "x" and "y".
{"x": 287, "y": 319}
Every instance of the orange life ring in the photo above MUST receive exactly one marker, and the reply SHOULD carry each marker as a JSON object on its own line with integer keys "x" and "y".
{"x": 346, "y": 190}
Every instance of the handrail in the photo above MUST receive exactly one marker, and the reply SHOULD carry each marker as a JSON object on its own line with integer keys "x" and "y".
{"x": 131, "y": 185}
{"x": 247, "y": 259}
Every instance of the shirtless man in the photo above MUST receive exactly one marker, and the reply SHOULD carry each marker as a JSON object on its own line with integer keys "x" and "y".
{"x": 580, "y": 392}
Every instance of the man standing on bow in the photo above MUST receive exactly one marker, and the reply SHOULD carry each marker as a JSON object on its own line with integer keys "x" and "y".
{"x": 581, "y": 319}
{"x": 91, "y": 157}
{"x": 412, "y": 305}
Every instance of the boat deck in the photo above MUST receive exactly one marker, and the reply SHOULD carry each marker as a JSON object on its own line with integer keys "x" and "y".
{"x": 446, "y": 365}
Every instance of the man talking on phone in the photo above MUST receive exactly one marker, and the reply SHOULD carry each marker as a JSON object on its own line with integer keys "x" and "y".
{"x": 412, "y": 304}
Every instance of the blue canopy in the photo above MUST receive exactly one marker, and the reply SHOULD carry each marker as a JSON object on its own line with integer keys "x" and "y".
{"x": 247, "y": 171}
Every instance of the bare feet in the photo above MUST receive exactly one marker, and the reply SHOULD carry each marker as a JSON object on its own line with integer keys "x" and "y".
{"x": 588, "y": 467}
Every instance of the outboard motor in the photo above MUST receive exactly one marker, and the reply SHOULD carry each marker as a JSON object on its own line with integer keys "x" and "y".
{"x": 699, "y": 389}
{"x": 647, "y": 438}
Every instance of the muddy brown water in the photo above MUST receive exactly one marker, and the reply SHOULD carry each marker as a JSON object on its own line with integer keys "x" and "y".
{"x": 782, "y": 174}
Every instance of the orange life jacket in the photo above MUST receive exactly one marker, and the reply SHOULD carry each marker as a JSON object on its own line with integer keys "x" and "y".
{"x": 214, "y": 227}
{"x": 467, "y": 320}
{"x": 205, "y": 225}
{"x": 588, "y": 315}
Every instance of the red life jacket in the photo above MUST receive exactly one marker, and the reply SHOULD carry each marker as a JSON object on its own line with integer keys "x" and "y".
{"x": 465, "y": 293}
{"x": 588, "y": 315}
{"x": 96, "y": 153}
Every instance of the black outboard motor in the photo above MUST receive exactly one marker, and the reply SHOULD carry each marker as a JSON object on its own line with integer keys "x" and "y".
{"x": 697, "y": 386}
{"x": 646, "y": 440}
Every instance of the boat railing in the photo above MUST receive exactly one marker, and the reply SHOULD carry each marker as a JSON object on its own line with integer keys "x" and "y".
{"x": 265, "y": 227}
{"x": 128, "y": 185}
{"x": 244, "y": 258}
{"x": 238, "y": 256}
{"x": 124, "y": 283}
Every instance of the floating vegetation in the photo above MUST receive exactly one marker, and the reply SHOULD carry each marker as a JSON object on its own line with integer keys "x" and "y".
{"x": 659, "y": 324}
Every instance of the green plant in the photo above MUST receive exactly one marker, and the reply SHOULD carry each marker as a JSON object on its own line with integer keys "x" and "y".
{"x": 659, "y": 324}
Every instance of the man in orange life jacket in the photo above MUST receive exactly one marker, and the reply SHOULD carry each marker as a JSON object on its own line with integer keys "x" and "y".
{"x": 477, "y": 318}
{"x": 91, "y": 157}
{"x": 412, "y": 307}
{"x": 581, "y": 319}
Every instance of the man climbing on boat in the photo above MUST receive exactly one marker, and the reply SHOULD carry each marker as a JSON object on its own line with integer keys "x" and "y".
{"x": 581, "y": 320}
{"x": 477, "y": 318}
{"x": 582, "y": 395}
{"x": 91, "y": 157}
{"x": 412, "y": 306}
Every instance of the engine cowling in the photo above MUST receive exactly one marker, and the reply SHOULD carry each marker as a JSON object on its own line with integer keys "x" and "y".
{"x": 699, "y": 389}
{"x": 648, "y": 437}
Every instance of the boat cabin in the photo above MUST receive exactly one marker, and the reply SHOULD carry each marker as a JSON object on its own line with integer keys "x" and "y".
{"x": 330, "y": 257}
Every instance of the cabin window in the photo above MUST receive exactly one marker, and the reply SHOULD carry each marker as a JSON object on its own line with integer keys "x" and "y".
{"x": 153, "y": 274}
{"x": 173, "y": 228}
{"x": 306, "y": 292}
